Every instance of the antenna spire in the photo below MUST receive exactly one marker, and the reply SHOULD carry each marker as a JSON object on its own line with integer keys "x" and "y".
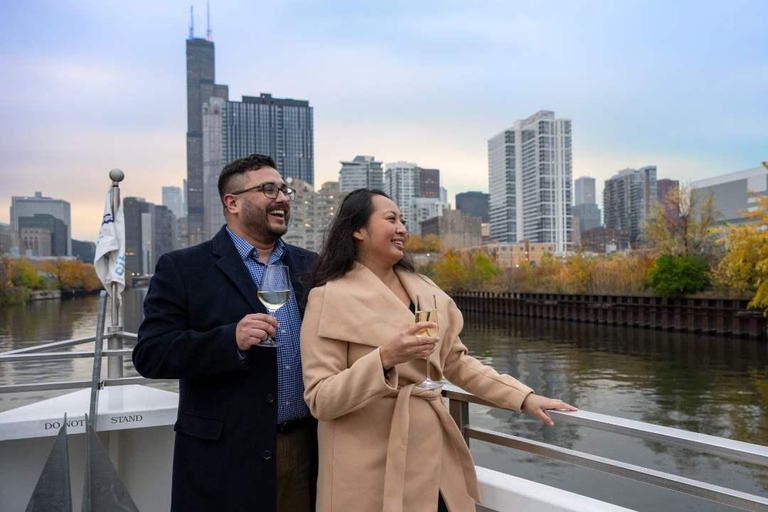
{"x": 191, "y": 21}
{"x": 208, "y": 33}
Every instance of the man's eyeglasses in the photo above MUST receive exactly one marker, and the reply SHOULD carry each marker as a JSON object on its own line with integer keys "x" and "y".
{"x": 270, "y": 190}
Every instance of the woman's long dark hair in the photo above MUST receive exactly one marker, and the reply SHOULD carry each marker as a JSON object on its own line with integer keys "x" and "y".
{"x": 339, "y": 249}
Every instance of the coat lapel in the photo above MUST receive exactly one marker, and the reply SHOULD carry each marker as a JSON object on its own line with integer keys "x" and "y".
{"x": 231, "y": 264}
{"x": 359, "y": 308}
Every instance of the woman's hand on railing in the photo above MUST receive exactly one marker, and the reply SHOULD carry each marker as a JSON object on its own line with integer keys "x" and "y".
{"x": 536, "y": 405}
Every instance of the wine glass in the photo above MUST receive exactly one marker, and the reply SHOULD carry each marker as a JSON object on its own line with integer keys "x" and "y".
{"x": 427, "y": 315}
{"x": 274, "y": 292}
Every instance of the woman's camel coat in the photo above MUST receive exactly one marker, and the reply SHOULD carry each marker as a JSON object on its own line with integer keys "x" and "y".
{"x": 384, "y": 445}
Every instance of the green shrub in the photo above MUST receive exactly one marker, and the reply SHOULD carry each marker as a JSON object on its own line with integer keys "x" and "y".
{"x": 677, "y": 276}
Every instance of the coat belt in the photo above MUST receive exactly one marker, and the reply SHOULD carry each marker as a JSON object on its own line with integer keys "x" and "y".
{"x": 394, "y": 479}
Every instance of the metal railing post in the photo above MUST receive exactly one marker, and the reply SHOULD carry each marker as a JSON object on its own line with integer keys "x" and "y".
{"x": 115, "y": 365}
{"x": 98, "y": 345}
{"x": 460, "y": 413}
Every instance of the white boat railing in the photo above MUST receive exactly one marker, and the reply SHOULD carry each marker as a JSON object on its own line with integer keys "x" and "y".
{"x": 458, "y": 404}
{"x": 39, "y": 353}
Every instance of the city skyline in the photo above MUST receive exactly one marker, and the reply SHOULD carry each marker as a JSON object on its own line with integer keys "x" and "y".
{"x": 79, "y": 100}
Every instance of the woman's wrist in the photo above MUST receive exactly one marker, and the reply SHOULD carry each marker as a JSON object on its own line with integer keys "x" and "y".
{"x": 385, "y": 363}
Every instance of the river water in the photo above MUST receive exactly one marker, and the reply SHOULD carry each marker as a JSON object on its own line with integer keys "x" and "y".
{"x": 706, "y": 384}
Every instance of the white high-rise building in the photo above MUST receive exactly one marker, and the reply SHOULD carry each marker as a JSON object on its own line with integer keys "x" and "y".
{"x": 399, "y": 181}
{"x": 360, "y": 172}
{"x": 29, "y": 206}
{"x": 530, "y": 181}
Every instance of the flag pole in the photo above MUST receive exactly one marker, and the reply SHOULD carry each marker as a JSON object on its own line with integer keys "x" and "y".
{"x": 115, "y": 366}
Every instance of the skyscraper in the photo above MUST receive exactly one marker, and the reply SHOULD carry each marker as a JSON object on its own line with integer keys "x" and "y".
{"x": 427, "y": 183}
{"x": 360, "y": 172}
{"x": 213, "y": 163}
{"x": 35, "y": 228}
{"x": 473, "y": 203}
{"x": 530, "y": 181}
{"x": 586, "y": 214}
{"x": 148, "y": 235}
{"x": 585, "y": 190}
{"x": 281, "y": 128}
{"x": 219, "y": 131}
{"x": 29, "y": 206}
{"x": 628, "y": 200}
{"x": 201, "y": 78}
{"x": 399, "y": 179}
{"x": 172, "y": 198}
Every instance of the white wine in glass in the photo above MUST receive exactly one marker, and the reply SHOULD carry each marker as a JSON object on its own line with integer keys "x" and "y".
{"x": 274, "y": 291}
{"x": 427, "y": 315}
{"x": 274, "y": 300}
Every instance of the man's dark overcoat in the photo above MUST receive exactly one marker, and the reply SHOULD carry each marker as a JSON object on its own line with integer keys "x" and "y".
{"x": 225, "y": 451}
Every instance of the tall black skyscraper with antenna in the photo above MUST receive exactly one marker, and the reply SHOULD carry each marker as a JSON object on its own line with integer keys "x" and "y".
{"x": 219, "y": 131}
{"x": 201, "y": 85}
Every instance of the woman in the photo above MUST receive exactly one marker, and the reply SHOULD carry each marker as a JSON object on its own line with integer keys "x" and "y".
{"x": 383, "y": 443}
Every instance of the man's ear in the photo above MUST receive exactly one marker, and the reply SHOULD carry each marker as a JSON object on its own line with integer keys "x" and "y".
{"x": 231, "y": 203}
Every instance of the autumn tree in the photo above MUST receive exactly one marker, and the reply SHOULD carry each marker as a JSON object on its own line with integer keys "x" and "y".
{"x": 24, "y": 273}
{"x": 54, "y": 268}
{"x": 482, "y": 271}
{"x": 578, "y": 273}
{"x": 413, "y": 244}
{"x": 91, "y": 281}
{"x": 432, "y": 243}
{"x": 745, "y": 265}
{"x": 683, "y": 224}
{"x": 451, "y": 273}
{"x": 429, "y": 243}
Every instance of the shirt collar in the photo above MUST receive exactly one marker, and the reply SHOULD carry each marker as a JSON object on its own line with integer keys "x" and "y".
{"x": 245, "y": 249}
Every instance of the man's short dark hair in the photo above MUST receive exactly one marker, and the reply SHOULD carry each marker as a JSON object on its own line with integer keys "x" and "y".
{"x": 239, "y": 167}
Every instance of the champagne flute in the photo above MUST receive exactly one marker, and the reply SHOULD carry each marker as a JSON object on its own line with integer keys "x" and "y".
{"x": 427, "y": 315}
{"x": 274, "y": 291}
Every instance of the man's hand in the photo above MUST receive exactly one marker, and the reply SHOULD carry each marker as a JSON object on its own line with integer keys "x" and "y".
{"x": 408, "y": 345}
{"x": 253, "y": 329}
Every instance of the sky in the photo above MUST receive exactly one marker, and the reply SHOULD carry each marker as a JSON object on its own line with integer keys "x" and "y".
{"x": 91, "y": 85}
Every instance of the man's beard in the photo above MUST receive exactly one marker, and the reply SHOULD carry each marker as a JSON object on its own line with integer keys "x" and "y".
{"x": 256, "y": 221}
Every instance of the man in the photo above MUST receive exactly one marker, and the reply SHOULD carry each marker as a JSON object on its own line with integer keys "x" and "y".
{"x": 244, "y": 436}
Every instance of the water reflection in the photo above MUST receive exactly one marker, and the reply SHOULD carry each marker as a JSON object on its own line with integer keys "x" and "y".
{"x": 39, "y": 322}
{"x": 703, "y": 384}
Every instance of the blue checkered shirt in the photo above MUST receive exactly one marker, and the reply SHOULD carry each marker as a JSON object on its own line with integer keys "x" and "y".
{"x": 290, "y": 385}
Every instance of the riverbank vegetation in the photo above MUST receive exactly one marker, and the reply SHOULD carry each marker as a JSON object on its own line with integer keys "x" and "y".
{"x": 21, "y": 276}
{"x": 683, "y": 253}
